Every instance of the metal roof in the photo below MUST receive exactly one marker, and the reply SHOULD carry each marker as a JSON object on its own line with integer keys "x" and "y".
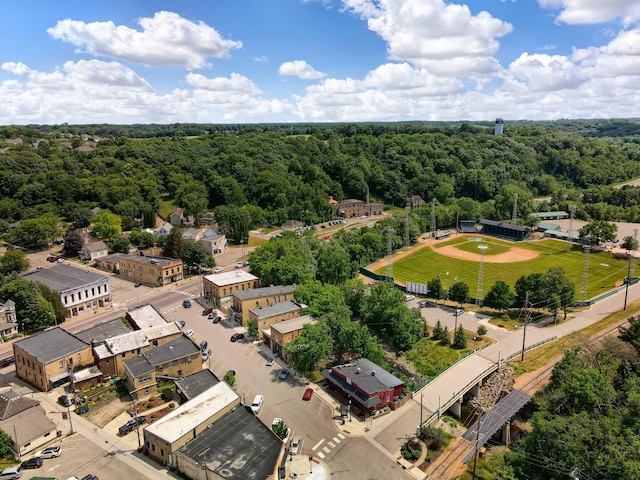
{"x": 276, "y": 309}
{"x": 146, "y": 316}
{"x": 264, "y": 292}
{"x": 99, "y": 333}
{"x": 51, "y": 344}
{"x": 196, "y": 383}
{"x": 62, "y": 277}
{"x": 175, "y": 349}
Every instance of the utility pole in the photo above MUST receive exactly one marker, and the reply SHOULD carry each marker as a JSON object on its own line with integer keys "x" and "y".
{"x": 526, "y": 320}
{"x": 433, "y": 217}
{"x": 390, "y": 255}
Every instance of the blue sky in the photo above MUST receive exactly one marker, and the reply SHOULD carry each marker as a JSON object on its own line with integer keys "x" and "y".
{"x": 248, "y": 61}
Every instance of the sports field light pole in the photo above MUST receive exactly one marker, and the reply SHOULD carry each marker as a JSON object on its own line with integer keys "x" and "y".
{"x": 480, "y": 289}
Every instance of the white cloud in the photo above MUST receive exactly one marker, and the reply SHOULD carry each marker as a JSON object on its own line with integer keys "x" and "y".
{"x": 545, "y": 73}
{"x": 443, "y": 38}
{"x": 300, "y": 69}
{"x": 165, "y": 39}
{"x": 594, "y": 11}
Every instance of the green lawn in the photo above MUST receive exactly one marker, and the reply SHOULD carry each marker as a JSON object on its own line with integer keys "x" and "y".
{"x": 493, "y": 247}
{"x": 604, "y": 270}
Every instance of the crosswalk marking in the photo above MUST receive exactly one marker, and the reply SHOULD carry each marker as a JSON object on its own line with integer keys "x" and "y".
{"x": 341, "y": 436}
{"x": 321, "y": 455}
{"x": 318, "y": 444}
{"x": 331, "y": 444}
{"x": 326, "y": 449}
{"x": 336, "y": 439}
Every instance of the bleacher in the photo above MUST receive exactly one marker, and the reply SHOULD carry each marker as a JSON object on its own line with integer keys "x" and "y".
{"x": 504, "y": 230}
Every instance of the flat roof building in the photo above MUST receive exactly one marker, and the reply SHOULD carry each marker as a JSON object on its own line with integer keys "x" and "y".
{"x": 219, "y": 287}
{"x": 145, "y": 316}
{"x": 171, "y": 432}
{"x": 244, "y": 300}
{"x": 264, "y": 317}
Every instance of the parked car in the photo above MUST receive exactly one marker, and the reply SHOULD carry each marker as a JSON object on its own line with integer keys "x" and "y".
{"x": 458, "y": 311}
{"x": 207, "y": 311}
{"x": 131, "y": 425}
{"x": 218, "y": 270}
{"x": 206, "y": 354}
{"x": 237, "y": 336}
{"x": 284, "y": 373}
{"x": 270, "y": 362}
{"x": 423, "y": 304}
{"x": 52, "y": 258}
{"x": 137, "y": 284}
{"x": 308, "y": 393}
{"x": 295, "y": 445}
{"x": 189, "y": 333}
{"x": 65, "y": 401}
{"x": 232, "y": 372}
{"x": 49, "y": 452}
{"x": 35, "y": 462}
{"x": 186, "y": 303}
{"x": 181, "y": 324}
{"x": 90, "y": 477}
{"x": 408, "y": 298}
{"x": 82, "y": 410}
{"x": 217, "y": 319}
{"x": 257, "y": 403}
{"x": 203, "y": 345}
{"x": 11, "y": 473}
{"x": 5, "y": 362}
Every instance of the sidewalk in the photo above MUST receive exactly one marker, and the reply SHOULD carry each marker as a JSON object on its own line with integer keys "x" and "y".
{"x": 307, "y": 467}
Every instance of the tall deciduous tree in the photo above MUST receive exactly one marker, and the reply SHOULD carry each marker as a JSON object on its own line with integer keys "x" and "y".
{"x": 459, "y": 292}
{"x": 14, "y": 261}
{"x": 106, "y": 224}
{"x": 435, "y": 289}
{"x": 196, "y": 255}
{"x": 559, "y": 290}
{"x": 598, "y": 231}
{"x": 499, "y": 296}
{"x": 312, "y": 345}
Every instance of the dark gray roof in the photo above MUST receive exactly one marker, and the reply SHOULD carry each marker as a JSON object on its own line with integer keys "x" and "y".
{"x": 62, "y": 277}
{"x": 12, "y": 403}
{"x": 99, "y": 333}
{"x": 176, "y": 349}
{"x": 51, "y": 344}
{"x": 276, "y": 309}
{"x": 138, "y": 366}
{"x": 196, "y": 383}
{"x": 264, "y": 292}
{"x": 368, "y": 376}
{"x": 505, "y": 225}
{"x": 144, "y": 260}
{"x": 238, "y": 445}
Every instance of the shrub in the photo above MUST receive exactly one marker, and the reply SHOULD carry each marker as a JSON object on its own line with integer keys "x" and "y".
{"x": 411, "y": 454}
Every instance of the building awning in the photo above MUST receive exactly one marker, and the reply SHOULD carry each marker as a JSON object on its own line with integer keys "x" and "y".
{"x": 59, "y": 377}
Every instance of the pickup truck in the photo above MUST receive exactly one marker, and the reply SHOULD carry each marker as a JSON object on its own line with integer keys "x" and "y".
{"x": 131, "y": 425}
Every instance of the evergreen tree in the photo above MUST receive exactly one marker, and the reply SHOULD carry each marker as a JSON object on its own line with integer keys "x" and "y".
{"x": 459, "y": 338}
{"x": 438, "y": 331}
{"x": 174, "y": 247}
{"x": 446, "y": 338}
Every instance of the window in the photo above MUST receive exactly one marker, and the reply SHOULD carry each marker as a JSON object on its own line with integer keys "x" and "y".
{"x": 161, "y": 453}
{"x": 93, "y": 292}
{"x": 61, "y": 363}
{"x": 153, "y": 447}
{"x": 146, "y": 391}
{"x": 175, "y": 362}
{"x": 189, "y": 359}
{"x": 124, "y": 355}
{"x": 66, "y": 300}
{"x": 155, "y": 343}
{"x": 47, "y": 434}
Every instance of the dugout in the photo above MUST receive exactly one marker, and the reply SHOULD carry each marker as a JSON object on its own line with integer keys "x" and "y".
{"x": 507, "y": 231}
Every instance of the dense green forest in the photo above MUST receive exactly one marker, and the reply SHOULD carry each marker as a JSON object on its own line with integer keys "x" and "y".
{"x": 280, "y": 172}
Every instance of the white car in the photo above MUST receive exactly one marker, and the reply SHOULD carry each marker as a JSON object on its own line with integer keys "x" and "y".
{"x": 295, "y": 445}
{"x": 408, "y": 298}
{"x": 189, "y": 333}
{"x": 257, "y": 403}
{"x": 49, "y": 452}
{"x": 218, "y": 270}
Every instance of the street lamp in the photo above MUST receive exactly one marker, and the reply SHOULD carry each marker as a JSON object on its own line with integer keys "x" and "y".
{"x": 474, "y": 344}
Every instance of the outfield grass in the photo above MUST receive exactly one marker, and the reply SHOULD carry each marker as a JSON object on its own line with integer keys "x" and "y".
{"x": 425, "y": 264}
{"x": 493, "y": 248}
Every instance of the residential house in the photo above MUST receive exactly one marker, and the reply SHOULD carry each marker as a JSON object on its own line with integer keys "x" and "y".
{"x": 213, "y": 241}
{"x": 154, "y": 367}
{"x": 25, "y": 421}
{"x": 366, "y": 386}
{"x": 415, "y": 201}
{"x": 81, "y": 290}
{"x": 154, "y": 271}
{"x": 163, "y": 230}
{"x": 207, "y": 219}
{"x": 356, "y": 208}
{"x": 243, "y": 300}
{"x": 264, "y": 317}
{"x": 176, "y": 217}
{"x": 219, "y": 287}
{"x": 189, "y": 421}
{"x": 8, "y": 320}
{"x": 190, "y": 386}
{"x": 111, "y": 355}
{"x": 47, "y": 359}
{"x": 92, "y": 251}
{"x": 236, "y": 445}
{"x": 281, "y": 333}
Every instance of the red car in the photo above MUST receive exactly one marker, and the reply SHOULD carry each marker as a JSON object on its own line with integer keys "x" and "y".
{"x": 308, "y": 393}
{"x": 207, "y": 311}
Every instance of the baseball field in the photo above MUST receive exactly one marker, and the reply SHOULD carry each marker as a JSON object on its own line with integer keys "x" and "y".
{"x": 459, "y": 259}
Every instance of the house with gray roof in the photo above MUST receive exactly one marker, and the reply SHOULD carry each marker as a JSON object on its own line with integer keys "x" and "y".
{"x": 154, "y": 367}
{"x": 93, "y": 250}
{"x": 81, "y": 290}
{"x": 99, "y": 333}
{"x": 25, "y": 421}
{"x": 47, "y": 359}
{"x": 365, "y": 386}
{"x": 243, "y": 300}
{"x": 145, "y": 316}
